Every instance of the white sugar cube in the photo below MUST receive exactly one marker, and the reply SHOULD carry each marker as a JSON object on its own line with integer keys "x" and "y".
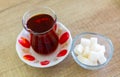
{"x": 102, "y": 48}
{"x": 86, "y": 51}
{"x": 93, "y": 56}
{"x": 84, "y": 60}
{"x": 93, "y": 40}
{"x": 78, "y": 49}
{"x": 101, "y": 58}
{"x": 85, "y": 42}
{"x": 94, "y": 63}
{"x": 96, "y": 47}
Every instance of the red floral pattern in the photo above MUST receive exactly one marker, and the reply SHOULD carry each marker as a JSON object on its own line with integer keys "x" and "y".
{"x": 62, "y": 53}
{"x": 46, "y": 62}
{"x": 29, "y": 57}
{"x": 64, "y": 37}
{"x": 24, "y": 42}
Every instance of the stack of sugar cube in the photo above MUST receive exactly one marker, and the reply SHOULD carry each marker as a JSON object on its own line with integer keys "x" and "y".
{"x": 90, "y": 52}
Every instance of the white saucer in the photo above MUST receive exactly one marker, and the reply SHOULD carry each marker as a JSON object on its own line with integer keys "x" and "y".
{"x": 27, "y": 54}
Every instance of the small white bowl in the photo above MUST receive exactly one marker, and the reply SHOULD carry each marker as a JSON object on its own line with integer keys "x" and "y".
{"x": 103, "y": 40}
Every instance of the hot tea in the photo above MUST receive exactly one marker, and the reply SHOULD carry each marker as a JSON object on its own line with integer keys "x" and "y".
{"x": 40, "y": 23}
{"x": 43, "y": 37}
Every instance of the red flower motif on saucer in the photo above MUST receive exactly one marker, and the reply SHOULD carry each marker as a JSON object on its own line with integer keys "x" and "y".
{"x": 24, "y": 42}
{"x": 46, "y": 62}
{"x": 64, "y": 37}
{"x": 62, "y": 53}
{"x": 29, "y": 57}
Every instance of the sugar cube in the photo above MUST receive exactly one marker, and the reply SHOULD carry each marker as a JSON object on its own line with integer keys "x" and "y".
{"x": 86, "y": 52}
{"x": 102, "y": 48}
{"x": 85, "y": 42}
{"x": 93, "y": 40}
{"x": 94, "y": 63}
{"x": 95, "y": 47}
{"x": 78, "y": 49}
{"x": 84, "y": 60}
{"x": 93, "y": 56}
{"x": 101, "y": 58}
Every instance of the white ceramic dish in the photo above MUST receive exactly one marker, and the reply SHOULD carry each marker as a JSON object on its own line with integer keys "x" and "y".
{"x": 30, "y": 57}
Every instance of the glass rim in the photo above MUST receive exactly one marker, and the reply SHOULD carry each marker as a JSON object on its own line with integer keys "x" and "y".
{"x": 36, "y": 9}
{"x": 94, "y": 66}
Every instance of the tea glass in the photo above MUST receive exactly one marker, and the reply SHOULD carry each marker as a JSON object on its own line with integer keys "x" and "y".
{"x": 44, "y": 42}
